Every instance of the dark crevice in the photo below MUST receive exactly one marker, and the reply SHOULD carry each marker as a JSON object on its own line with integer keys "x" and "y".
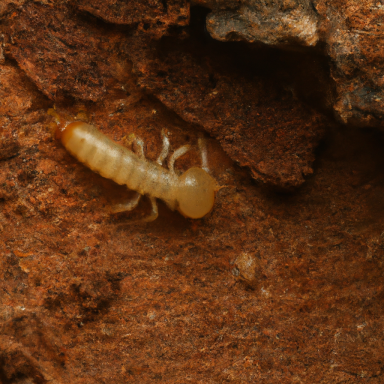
{"x": 302, "y": 71}
{"x": 165, "y": 5}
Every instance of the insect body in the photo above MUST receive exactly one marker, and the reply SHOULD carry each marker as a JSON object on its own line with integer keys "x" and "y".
{"x": 192, "y": 193}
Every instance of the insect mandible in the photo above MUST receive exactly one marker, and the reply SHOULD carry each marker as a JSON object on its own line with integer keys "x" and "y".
{"x": 191, "y": 193}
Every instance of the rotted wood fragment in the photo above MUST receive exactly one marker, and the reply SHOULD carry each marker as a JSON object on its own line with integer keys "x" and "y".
{"x": 153, "y": 17}
{"x": 64, "y": 55}
{"x": 257, "y": 123}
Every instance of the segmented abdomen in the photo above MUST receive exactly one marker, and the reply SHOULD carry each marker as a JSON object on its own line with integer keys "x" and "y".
{"x": 113, "y": 161}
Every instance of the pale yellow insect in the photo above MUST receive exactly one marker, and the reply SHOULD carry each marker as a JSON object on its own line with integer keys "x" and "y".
{"x": 192, "y": 193}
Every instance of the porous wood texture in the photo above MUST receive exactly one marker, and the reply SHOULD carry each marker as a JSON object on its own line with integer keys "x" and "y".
{"x": 282, "y": 282}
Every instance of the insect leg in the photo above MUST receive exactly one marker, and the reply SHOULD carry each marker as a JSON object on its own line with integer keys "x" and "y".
{"x": 203, "y": 152}
{"x": 139, "y": 148}
{"x": 136, "y": 143}
{"x": 155, "y": 212}
{"x": 127, "y": 206}
{"x": 165, "y": 150}
{"x": 178, "y": 153}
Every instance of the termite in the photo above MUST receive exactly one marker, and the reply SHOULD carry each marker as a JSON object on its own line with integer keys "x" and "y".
{"x": 191, "y": 193}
